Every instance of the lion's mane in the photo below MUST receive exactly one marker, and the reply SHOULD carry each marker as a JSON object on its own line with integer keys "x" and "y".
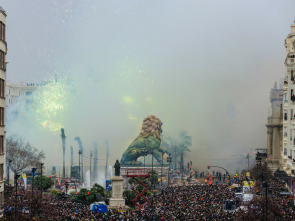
{"x": 151, "y": 126}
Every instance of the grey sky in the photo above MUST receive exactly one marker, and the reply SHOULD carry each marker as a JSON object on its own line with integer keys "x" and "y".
{"x": 207, "y": 65}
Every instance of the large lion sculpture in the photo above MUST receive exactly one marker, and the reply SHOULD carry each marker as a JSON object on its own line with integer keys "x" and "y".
{"x": 149, "y": 141}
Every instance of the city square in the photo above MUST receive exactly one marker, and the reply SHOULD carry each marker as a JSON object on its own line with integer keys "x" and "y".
{"x": 147, "y": 110}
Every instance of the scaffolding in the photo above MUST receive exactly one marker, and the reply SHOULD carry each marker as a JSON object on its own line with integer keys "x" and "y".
{"x": 136, "y": 173}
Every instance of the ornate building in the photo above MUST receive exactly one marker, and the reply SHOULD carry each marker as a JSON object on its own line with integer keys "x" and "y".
{"x": 288, "y": 152}
{"x": 275, "y": 129}
{"x": 3, "y": 51}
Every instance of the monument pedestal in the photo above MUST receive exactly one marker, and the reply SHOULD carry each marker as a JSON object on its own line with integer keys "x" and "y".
{"x": 117, "y": 201}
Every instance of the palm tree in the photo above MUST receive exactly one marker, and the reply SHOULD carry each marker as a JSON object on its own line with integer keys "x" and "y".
{"x": 184, "y": 144}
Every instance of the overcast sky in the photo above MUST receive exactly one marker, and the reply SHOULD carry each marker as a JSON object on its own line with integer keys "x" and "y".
{"x": 203, "y": 66}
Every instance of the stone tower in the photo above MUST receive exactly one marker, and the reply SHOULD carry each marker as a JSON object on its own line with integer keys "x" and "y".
{"x": 275, "y": 129}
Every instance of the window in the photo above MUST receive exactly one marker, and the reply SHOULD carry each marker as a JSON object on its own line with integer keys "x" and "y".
{"x": 1, "y": 116}
{"x": 2, "y": 87}
{"x": 2, "y": 31}
{"x": 285, "y": 134}
{"x": 1, "y": 144}
{"x": 1, "y": 172}
{"x": 285, "y": 151}
{"x": 291, "y": 134}
{"x": 2, "y": 60}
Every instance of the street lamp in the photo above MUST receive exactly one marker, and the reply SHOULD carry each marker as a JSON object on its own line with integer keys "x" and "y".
{"x": 144, "y": 153}
{"x": 80, "y": 152}
{"x": 169, "y": 160}
{"x": 246, "y": 157}
{"x": 32, "y": 184}
{"x": 16, "y": 176}
{"x": 9, "y": 161}
{"x": 41, "y": 177}
{"x": 161, "y": 170}
{"x": 67, "y": 186}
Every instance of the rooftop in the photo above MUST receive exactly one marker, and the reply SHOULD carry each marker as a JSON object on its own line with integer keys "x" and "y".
{"x": 1, "y": 9}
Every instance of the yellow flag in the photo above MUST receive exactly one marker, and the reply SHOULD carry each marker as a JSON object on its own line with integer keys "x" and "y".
{"x": 24, "y": 175}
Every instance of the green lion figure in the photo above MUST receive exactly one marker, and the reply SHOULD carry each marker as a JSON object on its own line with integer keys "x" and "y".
{"x": 148, "y": 140}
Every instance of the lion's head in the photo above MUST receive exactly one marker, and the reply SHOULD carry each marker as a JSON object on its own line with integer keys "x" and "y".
{"x": 151, "y": 126}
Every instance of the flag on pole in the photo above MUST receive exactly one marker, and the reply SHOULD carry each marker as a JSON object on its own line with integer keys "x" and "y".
{"x": 24, "y": 176}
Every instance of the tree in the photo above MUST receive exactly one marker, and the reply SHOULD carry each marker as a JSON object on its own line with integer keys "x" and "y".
{"x": 46, "y": 182}
{"x": 129, "y": 195}
{"x": 40, "y": 205}
{"x": 177, "y": 147}
{"x": 153, "y": 179}
{"x": 90, "y": 195}
{"x": 22, "y": 154}
{"x": 98, "y": 189}
{"x": 184, "y": 144}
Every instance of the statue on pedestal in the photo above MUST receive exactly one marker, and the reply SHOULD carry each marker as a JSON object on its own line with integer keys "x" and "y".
{"x": 117, "y": 168}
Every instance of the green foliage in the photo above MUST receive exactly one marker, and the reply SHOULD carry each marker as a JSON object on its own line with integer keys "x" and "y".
{"x": 72, "y": 193}
{"x": 153, "y": 179}
{"x": 90, "y": 195}
{"x": 46, "y": 182}
{"x": 61, "y": 194}
{"x": 99, "y": 189}
{"x": 129, "y": 195}
{"x": 185, "y": 141}
{"x": 54, "y": 192}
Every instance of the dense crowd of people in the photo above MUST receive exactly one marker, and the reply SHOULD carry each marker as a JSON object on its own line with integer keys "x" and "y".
{"x": 192, "y": 202}
{"x": 195, "y": 202}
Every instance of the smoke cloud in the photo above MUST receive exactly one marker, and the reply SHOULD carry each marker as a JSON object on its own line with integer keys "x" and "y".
{"x": 202, "y": 66}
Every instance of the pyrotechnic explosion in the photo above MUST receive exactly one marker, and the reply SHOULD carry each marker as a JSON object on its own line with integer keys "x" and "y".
{"x": 51, "y": 103}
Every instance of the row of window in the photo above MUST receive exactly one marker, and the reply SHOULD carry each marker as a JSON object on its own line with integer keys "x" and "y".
{"x": 2, "y": 31}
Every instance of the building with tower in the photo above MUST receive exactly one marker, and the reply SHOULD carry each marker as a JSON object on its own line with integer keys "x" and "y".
{"x": 3, "y": 51}
{"x": 288, "y": 141}
{"x": 275, "y": 128}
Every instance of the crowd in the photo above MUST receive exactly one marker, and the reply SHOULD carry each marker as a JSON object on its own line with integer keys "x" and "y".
{"x": 193, "y": 202}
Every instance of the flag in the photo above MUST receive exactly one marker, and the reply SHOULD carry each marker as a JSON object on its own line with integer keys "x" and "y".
{"x": 24, "y": 176}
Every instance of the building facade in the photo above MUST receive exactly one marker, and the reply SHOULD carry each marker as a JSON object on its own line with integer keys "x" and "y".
{"x": 288, "y": 152}
{"x": 275, "y": 129}
{"x": 3, "y": 51}
{"x": 19, "y": 92}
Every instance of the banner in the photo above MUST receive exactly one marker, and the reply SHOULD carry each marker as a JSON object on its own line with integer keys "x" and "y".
{"x": 246, "y": 183}
{"x": 24, "y": 176}
{"x": 248, "y": 174}
{"x": 108, "y": 185}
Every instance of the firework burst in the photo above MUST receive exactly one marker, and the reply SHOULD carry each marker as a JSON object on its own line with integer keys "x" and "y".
{"x": 51, "y": 103}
